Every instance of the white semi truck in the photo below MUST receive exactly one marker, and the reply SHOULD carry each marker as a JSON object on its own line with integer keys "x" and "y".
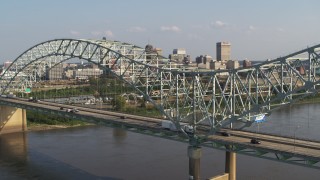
{"x": 166, "y": 124}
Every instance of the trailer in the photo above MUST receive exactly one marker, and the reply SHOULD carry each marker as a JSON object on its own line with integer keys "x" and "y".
{"x": 169, "y": 125}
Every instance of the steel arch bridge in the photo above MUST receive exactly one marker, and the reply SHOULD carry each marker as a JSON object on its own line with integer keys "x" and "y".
{"x": 206, "y": 99}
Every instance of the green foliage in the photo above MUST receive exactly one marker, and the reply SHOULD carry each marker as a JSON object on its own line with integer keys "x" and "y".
{"x": 105, "y": 86}
{"x": 142, "y": 102}
{"x": 58, "y": 93}
{"x": 119, "y": 103}
{"x": 38, "y": 118}
{"x": 151, "y": 112}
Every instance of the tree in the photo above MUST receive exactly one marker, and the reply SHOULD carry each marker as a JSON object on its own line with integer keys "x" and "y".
{"x": 119, "y": 103}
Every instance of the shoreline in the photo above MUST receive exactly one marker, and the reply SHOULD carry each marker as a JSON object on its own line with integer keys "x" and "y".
{"x": 43, "y": 127}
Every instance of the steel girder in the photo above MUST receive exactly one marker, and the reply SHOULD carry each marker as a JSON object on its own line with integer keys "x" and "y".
{"x": 206, "y": 99}
{"x": 289, "y": 156}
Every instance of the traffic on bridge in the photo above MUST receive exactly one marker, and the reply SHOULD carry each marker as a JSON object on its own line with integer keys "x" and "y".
{"x": 290, "y": 150}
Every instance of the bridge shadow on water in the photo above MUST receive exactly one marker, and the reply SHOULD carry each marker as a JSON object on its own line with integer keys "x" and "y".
{"x": 17, "y": 161}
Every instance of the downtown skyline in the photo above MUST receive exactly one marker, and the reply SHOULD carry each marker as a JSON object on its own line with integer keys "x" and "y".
{"x": 256, "y": 30}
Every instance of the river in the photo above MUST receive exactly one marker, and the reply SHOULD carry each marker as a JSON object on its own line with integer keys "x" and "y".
{"x": 99, "y": 152}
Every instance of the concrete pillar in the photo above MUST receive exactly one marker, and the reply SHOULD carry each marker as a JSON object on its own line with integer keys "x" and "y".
{"x": 231, "y": 165}
{"x": 12, "y": 119}
{"x": 194, "y": 154}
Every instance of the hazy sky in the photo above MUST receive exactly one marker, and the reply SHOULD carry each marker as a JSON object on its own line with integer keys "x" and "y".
{"x": 257, "y": 30}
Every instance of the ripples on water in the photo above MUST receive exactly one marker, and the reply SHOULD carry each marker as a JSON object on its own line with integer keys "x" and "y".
{"x": 105, "y": 153}
{"x": 300, "y": 121}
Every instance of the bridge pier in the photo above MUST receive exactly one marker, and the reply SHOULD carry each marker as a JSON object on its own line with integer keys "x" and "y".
{"x": 231, "y": 165}
{"x": 194, "y": 154}
{"x": 12, "y": 120}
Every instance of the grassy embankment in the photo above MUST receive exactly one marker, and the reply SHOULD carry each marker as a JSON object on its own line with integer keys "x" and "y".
{"x": 38, "y": 121}
{"x": 310, "y": 99}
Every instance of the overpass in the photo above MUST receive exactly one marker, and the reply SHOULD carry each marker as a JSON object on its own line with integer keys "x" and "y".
{"x": 206, "y": 99}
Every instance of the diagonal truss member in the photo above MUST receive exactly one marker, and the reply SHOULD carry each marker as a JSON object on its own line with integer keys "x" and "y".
{"x": 206, "y": 99}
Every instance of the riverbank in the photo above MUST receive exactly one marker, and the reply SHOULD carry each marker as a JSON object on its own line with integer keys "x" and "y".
{"x": 309, "y": 100}
{"x": 43, "y": 127}
{"x": 38, "y": 122}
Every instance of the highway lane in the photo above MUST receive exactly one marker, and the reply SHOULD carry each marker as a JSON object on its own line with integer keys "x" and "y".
{"x": 278, "y": 139}
{"x": 110, "y": 113}
{"x": 270, "y": 143}
{"x": 272, "y": 146}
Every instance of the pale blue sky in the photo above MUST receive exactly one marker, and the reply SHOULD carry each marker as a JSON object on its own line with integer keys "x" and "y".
{"x": 257, "y": 30}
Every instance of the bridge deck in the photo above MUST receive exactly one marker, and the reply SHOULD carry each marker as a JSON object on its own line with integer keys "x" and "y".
{"x": 297, "y": 151}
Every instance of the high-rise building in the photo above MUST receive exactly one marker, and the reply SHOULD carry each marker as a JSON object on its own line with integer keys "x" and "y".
{"x": 159, "y": 51}
{"x": 178, "y": 54}
{"x": 223, "y": 51}
{"x": 54, "y": 73}
{"x": 207, "y": 59}
{"x": 232, "y": 64}
{"x": 6, "y": 64}
{"x": 179, "y": 51}
{"x": 247, "y": 63}
{"x": 199, "y": 59}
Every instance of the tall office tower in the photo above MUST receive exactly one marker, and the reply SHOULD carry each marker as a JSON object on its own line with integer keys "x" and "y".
{"x": 223, "y": 51}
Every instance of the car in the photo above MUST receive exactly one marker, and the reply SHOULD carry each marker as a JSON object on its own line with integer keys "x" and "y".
{"x": 224, "y": 133}
{"x": 122, "y": 117}
{"x": 188, "y": 129}
{"x": 255, "y": 141}
{"x": 61, "y": 108}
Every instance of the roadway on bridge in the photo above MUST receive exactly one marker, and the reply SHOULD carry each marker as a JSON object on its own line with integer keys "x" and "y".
{"x": 285, "y": 147}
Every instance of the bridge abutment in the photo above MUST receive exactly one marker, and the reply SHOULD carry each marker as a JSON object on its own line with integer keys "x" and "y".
{"x": 230, "y": 167}
{"x": 12, "y": 120}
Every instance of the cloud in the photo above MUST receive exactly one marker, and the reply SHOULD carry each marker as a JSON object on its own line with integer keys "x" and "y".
{"x": 193, "y": 36}
{"x": 252, "y": 28}
{"x": 279, "y": 29}
{"x": 109, "y": 33}
{"x": 137, "y": 29}
{"x": 96, "y": 33}
{"x": 75, "y": 33}
{"x": 219, "y": 24}
{"x": 170, "y": 28}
